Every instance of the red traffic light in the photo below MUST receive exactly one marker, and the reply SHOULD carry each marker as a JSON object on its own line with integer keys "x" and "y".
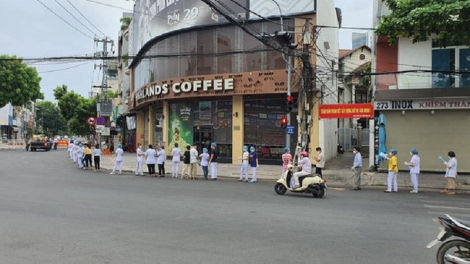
{"x": 284, "y": 120}
{"x": 290, "y": 99}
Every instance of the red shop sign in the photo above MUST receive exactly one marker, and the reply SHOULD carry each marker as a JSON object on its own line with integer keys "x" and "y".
{"x": 327, "y": 111}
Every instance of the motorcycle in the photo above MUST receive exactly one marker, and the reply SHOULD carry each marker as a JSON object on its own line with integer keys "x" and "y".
{"x": 456, "y": 249}
{"x": 55, "y": 145}
{"x": 311, "y": 183}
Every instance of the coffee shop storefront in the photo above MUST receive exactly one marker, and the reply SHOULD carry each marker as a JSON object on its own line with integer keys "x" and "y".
{"x": 232, "y": 110}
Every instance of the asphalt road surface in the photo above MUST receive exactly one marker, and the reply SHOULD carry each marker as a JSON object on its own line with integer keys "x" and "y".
{"x": 52, "y": 212}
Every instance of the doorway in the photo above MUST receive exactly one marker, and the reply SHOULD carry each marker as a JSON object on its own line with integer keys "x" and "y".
{"x": 203, "y": 136}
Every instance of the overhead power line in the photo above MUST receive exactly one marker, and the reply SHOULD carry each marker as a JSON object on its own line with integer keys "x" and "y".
{"x": 63, "y": 69}
{"x": 64, "y": 20}
{"x": 76, "y": 9}
{"x": 66, "y": 10}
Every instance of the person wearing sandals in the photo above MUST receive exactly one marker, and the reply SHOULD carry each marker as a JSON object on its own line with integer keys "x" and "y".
{"x": 244, "y": 167}
{"x": 161, "y": 161}
{"x": 205, "y": 162}
{"x": 451, "y": 174}
{"x": 253, "y": 163}
{"x": 392, "y": 171}
{"x": 414, "y": 166}
{"x": 150, "y": 154}
{"x": 193, "y": 159}
{"x": 176, "y": 153}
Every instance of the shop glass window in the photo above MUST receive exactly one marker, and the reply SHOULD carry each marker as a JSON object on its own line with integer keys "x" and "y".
{"x": 443, "y": 60}
{"x": 262, "y": 127}
{"x": 187, "y": 64}
{"x": 252, "y": 61}
{"x": 205, "y": 45}
{"x": 225, "y": 43}
{"x": 464, "y": 62}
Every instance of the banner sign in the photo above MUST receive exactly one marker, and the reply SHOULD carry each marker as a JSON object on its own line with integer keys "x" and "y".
{"x": 328, "y": 111}
{"x": 422, "y": 105}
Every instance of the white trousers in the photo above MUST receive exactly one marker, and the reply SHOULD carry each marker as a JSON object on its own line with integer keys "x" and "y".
{"x": 117, "y": 164}
{"x": 253, "y": 171}
{"x": 282, "y": 174}
{"x": 414, "y": 180}
{"x": 139, "y": 166}
{"x": 75, "y": 156}
{"x": 80, "y": 161}
{"x": 71, "y": 154}
{"x": 299, "y": 174}
{"x": 244, "y": 169}
{"x": 392, "y": 179}
{"x": 176, "y": 168}
{"x": 214, "y": 170}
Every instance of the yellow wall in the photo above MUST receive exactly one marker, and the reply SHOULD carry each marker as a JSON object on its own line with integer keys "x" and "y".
{"x": 165, "y": 127}
{"x": 151, "y": 121}
{"x": 237, "y": 128}
{"x": 140, "y": 128}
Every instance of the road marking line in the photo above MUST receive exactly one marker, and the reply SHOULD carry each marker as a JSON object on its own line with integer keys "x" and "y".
{"x": 447, "y": 207}
{"x": 451, "y": 214}
{"x": 336, "y": 189}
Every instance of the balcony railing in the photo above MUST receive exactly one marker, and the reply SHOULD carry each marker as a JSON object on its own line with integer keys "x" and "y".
{"x": 422, "y": 80}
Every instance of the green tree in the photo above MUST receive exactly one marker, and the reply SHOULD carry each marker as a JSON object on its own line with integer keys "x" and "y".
{"x": 68, "y": 105}
{"x": 445, "y": 20}
{"x": 49, "y": 118}
{"x": 19, "y": 83}
{"x": 126, "y": 21}
{"x": 60, "y": 91}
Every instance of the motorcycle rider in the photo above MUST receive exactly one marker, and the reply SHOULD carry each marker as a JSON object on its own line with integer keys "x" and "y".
{"x": 306, "y": 166}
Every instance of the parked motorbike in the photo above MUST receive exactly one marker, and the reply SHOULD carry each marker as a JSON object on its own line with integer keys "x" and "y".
{"x": 340, "y": 149}
{"x": 456, "y": 249}
{"x": 311, "y": 183}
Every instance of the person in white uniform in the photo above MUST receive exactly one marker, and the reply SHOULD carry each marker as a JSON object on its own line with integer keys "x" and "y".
{"x": 451, "y": 174}
{"x": 414, "y": 166}
{"x": 306, "y": 166}
{"x": 244, "y": 168}
{"x": 80, "y": 155}
{"x": 69, "y": 150}
{"x": 176, "y": 153}
{"x": 140, "y": 159}
{"x": 118, "y": 160}
{"x": 151, "y": 154}
{"x": 74, "y": 151}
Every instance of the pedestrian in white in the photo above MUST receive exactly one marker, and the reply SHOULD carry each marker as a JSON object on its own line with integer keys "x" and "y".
{"x": 244, "y": 167}
{"x": 69, "y": 150}
{"x": 414, "y": 166}
{"x": 80, "y": 156}
{"x": 176, "y": 153}
{"x": 193, "y": 159}
{"x": 320, "y": 160}
{"x": 74, "y": 152}
{"x": 205, "y": 163}
{"x": 451, "y": 173}
{"x": 213, "y": 161}
{"x": 151, "y": 154}
{"x": 118, "y": 160}
{"x": 140, "y": 160}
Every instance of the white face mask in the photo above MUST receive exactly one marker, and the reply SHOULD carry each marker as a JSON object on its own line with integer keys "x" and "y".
{"x": 318, "y": 152}
{"x": 449, "y": 157}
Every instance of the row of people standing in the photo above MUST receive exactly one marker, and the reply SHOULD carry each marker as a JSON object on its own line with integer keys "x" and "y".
{"x": 82, "y": 155}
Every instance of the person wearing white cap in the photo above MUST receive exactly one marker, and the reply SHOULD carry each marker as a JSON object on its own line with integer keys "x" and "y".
{"x": 118, "y": 160}
{"x": 140, "y": 160}
{"x": 244, "y": 168}
{"x": 414, "y": 166}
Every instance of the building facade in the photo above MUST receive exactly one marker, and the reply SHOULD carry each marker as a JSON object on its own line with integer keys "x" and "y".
{"x": 209, "y": 81}
{"x": 429, "y": 111}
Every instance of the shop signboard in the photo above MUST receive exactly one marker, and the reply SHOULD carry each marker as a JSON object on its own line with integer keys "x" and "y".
{"x": 290, "y": 130}
{"x": 181, "y": 125}
{"x": 328, "y": 111}
{"x": 205, "y": 110}
{"x": 410, "y": 104}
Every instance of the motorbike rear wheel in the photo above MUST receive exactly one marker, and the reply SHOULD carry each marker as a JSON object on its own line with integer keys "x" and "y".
{"x": 280, "y": 188}
{"x": 321, "y": 194}
{"x": 461, "y": 250}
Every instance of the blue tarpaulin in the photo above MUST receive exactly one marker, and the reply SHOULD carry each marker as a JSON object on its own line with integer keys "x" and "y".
{"x": 382, "y": 135}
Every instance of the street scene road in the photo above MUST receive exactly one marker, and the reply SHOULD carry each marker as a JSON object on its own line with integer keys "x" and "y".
{"x": 52, "y": 212}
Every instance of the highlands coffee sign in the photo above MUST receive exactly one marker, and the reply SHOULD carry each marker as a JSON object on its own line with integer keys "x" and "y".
{"x": 246, "y": 83}
{"x": 185, "y": 87}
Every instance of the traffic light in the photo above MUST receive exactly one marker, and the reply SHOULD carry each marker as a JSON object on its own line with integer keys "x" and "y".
{"x": 290, "y": 103}
{"x": 285, "y": 39}
{"x": 284, "y": 122}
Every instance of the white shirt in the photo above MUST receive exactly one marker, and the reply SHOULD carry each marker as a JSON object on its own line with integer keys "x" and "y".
{"x": 96, "y": 152}
{"x": 161, "y": 156}
{"x": 176, "y": 152}
{"x": 139, "y": 154}
{"x": 80, "y": 151}
{"x": 150, "y": 153}
{"x": 193, "y": 155}
{"x": 452, "y": 172}
{"x": 321, "y": 163}
{"x": 119, "y": 153}
{"x": 415, "y": 159}
{"x": 245, "y": 157}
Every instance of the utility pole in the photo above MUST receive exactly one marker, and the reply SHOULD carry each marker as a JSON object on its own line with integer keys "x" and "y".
{"x": 104, "y": 85}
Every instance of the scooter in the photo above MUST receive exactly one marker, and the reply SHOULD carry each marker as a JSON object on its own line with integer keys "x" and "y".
{"x": 311, "y": 183}
{"x": 457, "y": 247}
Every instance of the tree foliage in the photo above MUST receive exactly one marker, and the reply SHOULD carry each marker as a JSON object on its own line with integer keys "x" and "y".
{"x": 76, "y": 109}
{"x": 19, "y": 83}
{"x": 445, "y": 20}
{"x": 126, "y": 21}
{"x": 50, "y": 119}
{"x": 60, "y": 91}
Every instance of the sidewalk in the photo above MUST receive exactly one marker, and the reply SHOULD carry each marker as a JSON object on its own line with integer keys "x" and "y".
{"x": 337, "y": 173}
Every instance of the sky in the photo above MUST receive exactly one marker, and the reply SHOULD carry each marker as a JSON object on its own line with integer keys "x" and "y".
{"x": 31, "y": 30}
